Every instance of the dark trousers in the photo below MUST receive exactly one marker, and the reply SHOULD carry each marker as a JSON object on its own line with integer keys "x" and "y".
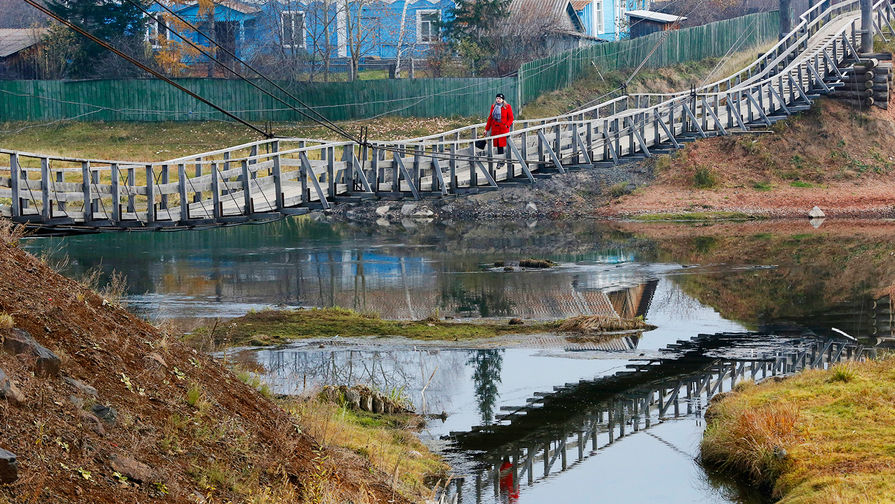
{"x": 500, "y": 150}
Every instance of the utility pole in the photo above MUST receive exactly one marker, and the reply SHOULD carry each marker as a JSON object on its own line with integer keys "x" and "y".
{"x": 785, "y": 18}
{"x": 866, "y": 26}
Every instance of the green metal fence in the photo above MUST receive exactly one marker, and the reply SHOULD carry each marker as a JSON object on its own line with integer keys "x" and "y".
{"x": 153, "y": 100}
{"x": 672, "y": 47}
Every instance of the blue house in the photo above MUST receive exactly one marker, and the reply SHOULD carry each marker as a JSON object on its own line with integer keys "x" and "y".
{"x": 309, "y": 29}
{"x": 605, "y": 19}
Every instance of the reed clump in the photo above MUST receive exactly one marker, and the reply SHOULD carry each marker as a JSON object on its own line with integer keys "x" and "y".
{"x": 591, "y": 324}
{"x": 821, "y": 436}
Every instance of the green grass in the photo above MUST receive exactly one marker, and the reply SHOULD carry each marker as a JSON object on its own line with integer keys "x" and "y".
{"x": 800, "y": 183}
{"x": 693, "y": 216}
{"x": 762, "y": 186}
{"x": 704, "y": 178}
{"x": 273, "y": 327}
{"x": 819, "y": 437}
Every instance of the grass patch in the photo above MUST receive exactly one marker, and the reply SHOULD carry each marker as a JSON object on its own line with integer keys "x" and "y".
{"x": 762, "y": 186}
{"x": 388, "y": 442}
{"x": 619, "y": 189}
{"x": 6, "y": 321}
{"x": 587, "y": 324}
{"x": 704, "y": 178}
{"x": 801, "y": 183}
{"x": 821, "y": 436}
{"x": 536, "y": 263}
{"x": 693, "y": 216}
{"x": 274, "y": 327}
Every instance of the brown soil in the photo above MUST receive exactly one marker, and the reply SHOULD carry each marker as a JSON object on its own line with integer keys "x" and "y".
{"x": 847, "y": 157}
{"x": 229, "y": 444}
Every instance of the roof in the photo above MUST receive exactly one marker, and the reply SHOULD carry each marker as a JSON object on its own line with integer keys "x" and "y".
{"x": 236, "y": 5}
{"x": 658, "y": 17}
{"x": 13, "y": 40}
{"x": 579, "y": 5}
{"x": 558, "y": 10}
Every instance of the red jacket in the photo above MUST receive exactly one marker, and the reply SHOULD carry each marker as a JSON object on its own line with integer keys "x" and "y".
{"x": 499, "y": 128}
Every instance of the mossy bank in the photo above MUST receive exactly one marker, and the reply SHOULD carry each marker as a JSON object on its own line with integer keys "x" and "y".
{"x": 818, "y": 437}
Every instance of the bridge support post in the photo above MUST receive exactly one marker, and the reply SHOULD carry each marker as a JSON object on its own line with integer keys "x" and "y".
{"x": 867, "y": 26}
{"x": 116, "y": 193}
{"x": 88, "y": 201}
{"x": 15, "y": 173}
{"x": 150, "y": 195}
{"x": 46, "y": 211}
{"x": 181, "y": 187}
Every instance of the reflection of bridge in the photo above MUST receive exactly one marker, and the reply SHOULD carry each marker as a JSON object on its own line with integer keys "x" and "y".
{"x": 552, "y": 431}
{"x": 267, "y": 179}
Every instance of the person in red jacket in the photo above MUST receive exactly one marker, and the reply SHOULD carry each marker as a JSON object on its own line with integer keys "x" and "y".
{"x": 499, "y": 121}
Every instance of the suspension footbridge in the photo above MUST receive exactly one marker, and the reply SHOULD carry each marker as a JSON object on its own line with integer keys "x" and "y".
{"x": 271, "y": 178}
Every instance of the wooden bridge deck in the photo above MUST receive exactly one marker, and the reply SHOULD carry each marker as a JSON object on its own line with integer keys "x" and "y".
{"x": 267, "y": 179}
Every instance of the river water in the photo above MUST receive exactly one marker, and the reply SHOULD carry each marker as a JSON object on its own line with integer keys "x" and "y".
{"x": 757, "y": 279}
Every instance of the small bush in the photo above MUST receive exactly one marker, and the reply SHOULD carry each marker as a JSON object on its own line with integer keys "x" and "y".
{"x": 619, "y": 189}
{"x": 704, "y": 178}
{"x": 6, "y": 321}
{"x": 536, "y": 263}
{"x": 842, "y": 373}
{"x": 194, "y": 395}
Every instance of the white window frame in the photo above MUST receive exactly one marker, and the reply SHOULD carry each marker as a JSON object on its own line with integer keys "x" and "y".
{"x": 598, "y": 16}
{"x": 303, "y": 42}
{"x": 419, "y": 25}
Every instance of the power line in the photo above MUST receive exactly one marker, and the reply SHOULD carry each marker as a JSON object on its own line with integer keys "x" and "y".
{"x": 138, "y": 64}
{"x": 321, "y": 119}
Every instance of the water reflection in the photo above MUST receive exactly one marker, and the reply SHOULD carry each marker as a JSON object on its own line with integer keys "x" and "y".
{"x": 486, "y": 375}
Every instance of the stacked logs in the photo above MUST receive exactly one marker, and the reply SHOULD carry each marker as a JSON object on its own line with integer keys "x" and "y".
{"x": 866, "y": 83}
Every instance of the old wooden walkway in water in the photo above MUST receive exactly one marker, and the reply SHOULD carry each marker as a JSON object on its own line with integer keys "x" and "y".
{"x": 267, "y": 179}
{"x": 552, "y": 431}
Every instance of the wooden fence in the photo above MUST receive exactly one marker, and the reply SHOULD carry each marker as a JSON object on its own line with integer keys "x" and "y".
{"x": 153, "y": 100}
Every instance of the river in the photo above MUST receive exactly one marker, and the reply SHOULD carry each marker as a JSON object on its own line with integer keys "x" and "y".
{"x": 754, "y": 280}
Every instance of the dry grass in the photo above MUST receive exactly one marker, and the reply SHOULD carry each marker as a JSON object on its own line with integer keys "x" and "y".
{"x": 587, "y": 324}
{"x": 10, "y": 233}
{"x": 388, "y": 443}
{"x": 819, "y": 437}
{"x": 6, "y": 321}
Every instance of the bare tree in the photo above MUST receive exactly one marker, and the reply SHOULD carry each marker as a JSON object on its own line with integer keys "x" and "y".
{"x": 363, "y": 28}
